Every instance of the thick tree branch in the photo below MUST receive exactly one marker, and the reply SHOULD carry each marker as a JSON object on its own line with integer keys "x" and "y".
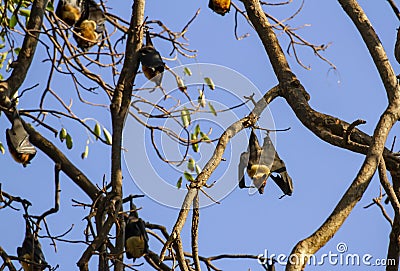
{"x": 28, "y": 48}
{"x": 119, "y": 107}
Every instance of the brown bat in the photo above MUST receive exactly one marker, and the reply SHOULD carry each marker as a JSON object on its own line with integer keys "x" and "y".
{"x": 136, "y": 239}
{"x": 220, "y": 6}
{"x": 31, "y": 251}
{"x": 18, "y": 142}
{"x": 69, "y": 11}
{"x": 260, "y": 162}
{"x": 90, "y": 27}
{"x": 152, "y": 64}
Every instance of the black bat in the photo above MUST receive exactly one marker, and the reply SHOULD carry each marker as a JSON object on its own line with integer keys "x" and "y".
{"x": 18, "y": 142}
{"x": 260, "y": 162}
{"x": 90, "y": 26}
{"x": 152, "y": 64}
{"x": 220, "y": 6}
{"x": 31, "y": 251}
{"x": 136, "y": 238}
{"x": 69, "y": 11}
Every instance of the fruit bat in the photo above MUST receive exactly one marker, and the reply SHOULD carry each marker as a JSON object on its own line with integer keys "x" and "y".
{"x": 69, "y": 11}
{"x": 31, "y": 251}
{"x": 18, "y": 142}
{"x": 152, "y": 64}
{"x": 90, "y": 27}
{"x": 220, "y": 6}
{"x": 136, "y": 239}
{"x": 261, "y": 162}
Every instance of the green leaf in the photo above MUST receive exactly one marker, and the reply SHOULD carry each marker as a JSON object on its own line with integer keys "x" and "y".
{"x": 195, "y": 146}
{"x": 187, "y": 71}
{"x": 185, "y": 116}
{"x": 204, "y": 136}
{"x": 17, "y": 50}
{"x": 2, "y": 45}
{"x": 188, "y": 176}
{"x": 198, "y": 169}
{"x": 63, "y": 134}
{"x": 13, "y": 21}
{"x": 209, "y": 83}
{"x": 69, "y": 142}
{"x": 179, "y": 183}
{"x": 85, "y": 153}
{"x": 197, "y": 130}
{"x": 191, "y": 164}
{"x": 50, "y": 6}
{"x": 2, "y": 150}
{"x": 97, "y": 131}
{"x": 107, "y": 136}
{"x": 25, "y": 12}
{"x": 212, "y": 109}
{"x": 202, "y": 98}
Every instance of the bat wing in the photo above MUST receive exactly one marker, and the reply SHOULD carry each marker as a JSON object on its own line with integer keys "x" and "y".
{"x": 244, "y": 160}
{"x": 268, "y": 153}
{"x": 255, "y": 151}
{"x": 142, "y": 227}
{"x": 151, "y": 58}
{"x": 283, "y": 180}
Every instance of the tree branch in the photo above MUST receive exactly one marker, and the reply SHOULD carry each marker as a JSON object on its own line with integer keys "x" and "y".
{"x": 28, "y": 48}
{"x": 119, "y": 108}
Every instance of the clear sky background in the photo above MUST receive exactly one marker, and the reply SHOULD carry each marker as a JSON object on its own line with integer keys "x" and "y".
{"x": 242, "y": 223}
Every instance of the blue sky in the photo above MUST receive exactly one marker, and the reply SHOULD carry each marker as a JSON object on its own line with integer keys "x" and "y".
{"x": 242, "y": 223}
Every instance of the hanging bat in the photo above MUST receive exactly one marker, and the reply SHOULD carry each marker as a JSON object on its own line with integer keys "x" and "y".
{"x": 152, "y": 64}
{"x": 31, "y": 251}
{"x": 260, "y": 162}
{"x": 90, "y": 27}
{"x": 136, "y": 239}
{"x": 69, "y": 11}
{"x": 220, "y": 6}
{"x": 18, "y": 142}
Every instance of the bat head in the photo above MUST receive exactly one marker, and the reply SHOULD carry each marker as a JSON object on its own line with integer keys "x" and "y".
{"x": 260, "y": 182}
